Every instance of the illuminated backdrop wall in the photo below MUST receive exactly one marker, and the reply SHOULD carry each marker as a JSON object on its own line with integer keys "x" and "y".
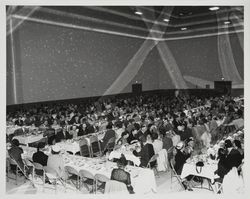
{"x": 52, "y": 63}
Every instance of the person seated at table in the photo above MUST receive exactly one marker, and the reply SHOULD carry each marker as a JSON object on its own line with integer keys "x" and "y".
{"x": 157, "y": 143}
{"x": 40, "y": 157}
{"x": 184, "y": 132}
{"x": 189, "y": 145}
{"x": 238, "y": 121}
{"x": 180, "y": 157}
{"x": 90, "y": 127}
{"x": 55, "y": 125}
{"x": 44, "y": 126}
{"x": 55, "y": 161}
{"x": 123, "y": 139}
{"x": 212, "y": 124}
{"x": 146, "y": 151}
{"x": 110, "y": 133}
{"x": 233, "y": 157}
{"x": 63, "y": 134}
{"x": 132, "y": 136}
{"x": 120, "y": 129}
{"x": 73, "y": 131}
{"x": 82, "y": 129}
{"x": 15, "y": 152}
{"x": 121, "y": 175}
{"x": 221, "y": 168}
{"x": 51, "y": 135}
{"x": 19, "y": 121}
{"x": 237, "y": 145}
{"x": 167, "y": 144}
{"x": 139, "y": 132}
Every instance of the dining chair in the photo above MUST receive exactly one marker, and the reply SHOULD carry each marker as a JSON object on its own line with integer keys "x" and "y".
{"x": 87, "y": 178}
{"x": 115, "y": 187}
{"x": 95, "y": 146}
{"x": 84, "y": 148}
{"x": 100, "y": 181}
{"x": 53, "y": 177}
{"x": 38, "y": 171}
{"x": 110, "y": 145}
{"x": 19, "y": 169}
{"x": 152, "y": 164}
{"x": 73, "y": 175}
{"x": 175, "y": 175}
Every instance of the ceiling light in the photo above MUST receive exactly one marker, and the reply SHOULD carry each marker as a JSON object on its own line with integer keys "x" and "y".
{"x": 214, "y": 8}
{"x": 227, "y": 22}
{"x": 138, "y": 13}
{"x": 184, "y": 28}
{"x": 181, "y": 14}
{"x": 166, "y": 20}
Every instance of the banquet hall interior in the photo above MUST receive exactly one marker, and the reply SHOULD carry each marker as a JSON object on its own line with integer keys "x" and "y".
{"x": 124, "y": 99}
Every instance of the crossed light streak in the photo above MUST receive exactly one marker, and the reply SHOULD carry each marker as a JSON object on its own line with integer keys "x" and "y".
{"x": 226, "y": 58}
{"x": 24, "y": 12}
{"x": 134, "y": 65}
{"x": 168, "y": 59}
{"x": 25, "y": 15}
{"x": 225, "y": 55}
{"x": 13, "y": 63}
{"x": 152, "y": 40}
{"x": 61, "y": 24}
{"x": 235, "y": 19}
{"x": 12, "y": 25}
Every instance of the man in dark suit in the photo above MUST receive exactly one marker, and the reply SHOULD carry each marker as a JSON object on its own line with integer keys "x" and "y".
{"x": 146, "y": 152}
{"x": 21, "y": 131}
{"x": 15, "y": 152}
{"x": 50, "y": 134}
{"x": 233, "y": 157}
{"x": 39, "y": 156}
{"x": 63, "y": 134}
{"x": 110, "y": 133}
{"x": 19, "y": 121}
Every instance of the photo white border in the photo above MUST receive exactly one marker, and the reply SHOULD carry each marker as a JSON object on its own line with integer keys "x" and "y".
{"x": 3, "y": 3}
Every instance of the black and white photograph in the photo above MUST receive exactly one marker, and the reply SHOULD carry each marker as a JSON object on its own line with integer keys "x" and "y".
{"x": 124, "y": 99}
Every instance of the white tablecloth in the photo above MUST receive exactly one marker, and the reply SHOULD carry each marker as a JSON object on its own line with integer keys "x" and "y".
{"x": 23, "y": 139}
{"x": 128, "y": 154}
{"x": 99, "y": 135}
{"x": 207, "y": 170}
{"x": 11, "y": 129}
{"x": 142, "y": 180}
{"x": 73, "y": 146}
{"x": 69, "y": 146}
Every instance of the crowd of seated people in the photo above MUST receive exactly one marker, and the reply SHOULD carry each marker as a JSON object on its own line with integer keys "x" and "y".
{"x": 157, "y": 122}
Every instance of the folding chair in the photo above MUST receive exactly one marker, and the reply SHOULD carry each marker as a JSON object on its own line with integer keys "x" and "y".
{"x": 115, "y": 187}
{"x": 90, "y": 179}
{"x": 84, "y": 148}
{"x": 110, "y": 145}
{"x": 19, "y": 169}
{"x": 95, "y": 146}
{"x": 152, "y": 160}
{"x": 101, "y": 179}
{"x": 53, "y": 177}
{"x": 73, "y": 175}
{"x": 175, "y": 175}
{"x": 39, "y": 172}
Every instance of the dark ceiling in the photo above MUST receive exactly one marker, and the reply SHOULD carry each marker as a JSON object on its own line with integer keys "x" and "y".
{"x": 122, "y": 20}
